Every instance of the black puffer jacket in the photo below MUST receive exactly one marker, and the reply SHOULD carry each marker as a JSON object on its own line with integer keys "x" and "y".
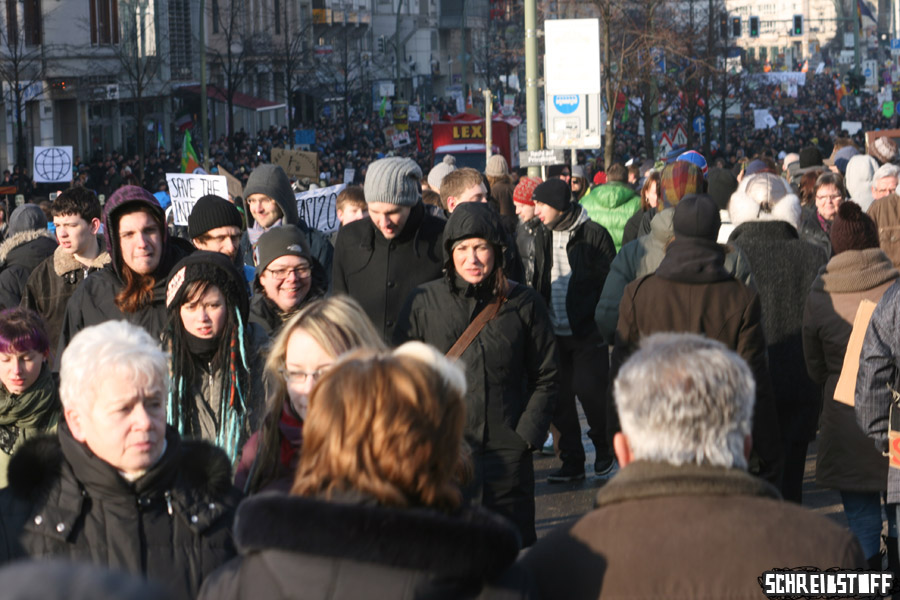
{"x": 380, "y": 273}
{"x": 20, "y": 254}
{"x": 268, "y": 316}
{"x": 294, "y": 547}
{"x": 172, "y": 525}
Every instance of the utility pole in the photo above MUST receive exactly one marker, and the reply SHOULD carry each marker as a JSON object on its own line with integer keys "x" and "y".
{"x": 531, "y": 82}
{"x": 204, "y": 126}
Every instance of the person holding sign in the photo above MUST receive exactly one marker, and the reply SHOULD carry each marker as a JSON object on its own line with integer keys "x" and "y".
{"x": 284, "y": 278}
{"x": 132, "y": 286}
{"x": 272, "y": 203}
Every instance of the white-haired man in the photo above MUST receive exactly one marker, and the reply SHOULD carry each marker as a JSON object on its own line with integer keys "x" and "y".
{"x": 683, "y": 518}
{"x": 116, "y": 487}
{"x": 885, "y": 209}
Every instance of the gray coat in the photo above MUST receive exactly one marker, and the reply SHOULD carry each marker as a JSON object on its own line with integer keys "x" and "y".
{"x": 879, "y": 371}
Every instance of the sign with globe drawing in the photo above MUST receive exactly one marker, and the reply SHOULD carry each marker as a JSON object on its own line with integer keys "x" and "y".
{"x": 52, "y": 164}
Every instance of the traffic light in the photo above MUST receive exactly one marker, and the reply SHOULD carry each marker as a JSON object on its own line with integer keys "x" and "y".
{"x": 754, "y": 26}
{"x": 723, "y": 27}
{"x": 798, "y": 25}
{"x": 735, "y": 27}
{"x": 381, "y": 44}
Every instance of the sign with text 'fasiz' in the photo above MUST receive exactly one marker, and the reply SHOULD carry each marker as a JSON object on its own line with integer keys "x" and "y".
{"x": 186, "y": 188}
{"x": 318, "y": 208}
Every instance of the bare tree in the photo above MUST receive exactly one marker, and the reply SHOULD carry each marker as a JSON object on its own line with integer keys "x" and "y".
{"x": 340, "y": 73}
{"x": 22, "y": 67}
{"x": 140, "y": 58}
{"x": 229, "y": 53}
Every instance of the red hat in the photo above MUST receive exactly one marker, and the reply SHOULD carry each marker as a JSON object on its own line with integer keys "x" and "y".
{"x": 524, "y": 190}
{"x": 600, "y": 178}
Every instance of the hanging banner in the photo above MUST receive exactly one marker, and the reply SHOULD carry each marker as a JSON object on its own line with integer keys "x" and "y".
{"x": 318, "y": 208}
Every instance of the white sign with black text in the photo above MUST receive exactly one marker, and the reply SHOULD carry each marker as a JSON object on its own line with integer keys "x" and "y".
{"x": 186, "y": 188}
{"x": 318, "y": 208}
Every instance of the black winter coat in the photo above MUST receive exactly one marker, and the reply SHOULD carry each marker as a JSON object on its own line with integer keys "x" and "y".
{"x": 295, "y": 547}
{"x": 811, "y": 230}
{"x": 267, "y": 315}
{"x": 590, "y": 251}
{"x": 511, "y": 374}
{"x": 380, "y": 273}
{"x": 172, "y": 525}
{"x": 20, "y": 254}
{"x": 784, "y": 268}
{"x": 94, "y": 301}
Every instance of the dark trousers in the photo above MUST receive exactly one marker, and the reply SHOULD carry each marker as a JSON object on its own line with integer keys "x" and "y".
{"x": 503, "y": 481}
{"x": 794, "y": 465}
{"x": 584, "y": 372}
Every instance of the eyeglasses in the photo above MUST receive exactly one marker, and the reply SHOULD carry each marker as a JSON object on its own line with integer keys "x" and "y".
{"x": 302, "y": 272}
{"x": 886, "y": 191}
{"x": 833, "y": 198}
{"x": 300, "y": 377}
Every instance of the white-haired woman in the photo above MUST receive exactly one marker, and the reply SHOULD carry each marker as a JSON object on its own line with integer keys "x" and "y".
{"x": 766, "y": 214}
{"x": 117, "y": 487}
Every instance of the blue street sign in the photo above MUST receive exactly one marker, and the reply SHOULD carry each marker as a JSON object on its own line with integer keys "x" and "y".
{"x": 566, "y": 104}
{"x": 895, "y": 44}
{"x": 700, "y": 124}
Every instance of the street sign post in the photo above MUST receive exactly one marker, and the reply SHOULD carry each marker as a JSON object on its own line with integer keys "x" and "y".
{"x": 542, "y": 158}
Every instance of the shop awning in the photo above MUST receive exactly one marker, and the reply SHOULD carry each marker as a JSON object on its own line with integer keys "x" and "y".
{"x": 240, "y": 99}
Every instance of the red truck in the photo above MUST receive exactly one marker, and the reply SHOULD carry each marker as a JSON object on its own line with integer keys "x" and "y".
{"x": 463, "y": 137}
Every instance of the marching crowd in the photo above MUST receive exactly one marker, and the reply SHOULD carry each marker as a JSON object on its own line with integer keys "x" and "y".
{"x": 248, "y": 407}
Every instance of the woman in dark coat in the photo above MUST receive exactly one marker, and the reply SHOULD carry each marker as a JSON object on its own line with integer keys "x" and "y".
{"x": 510, "y": 366}
{"x": 766, "y": 215}
{"x": 846, "y": 460}
{"x": 217, "y": 389}
{"x": 375, "y": 510}
{"x": 815, "y": 224}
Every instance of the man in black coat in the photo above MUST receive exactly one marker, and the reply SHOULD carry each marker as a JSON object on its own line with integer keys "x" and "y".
{"x": 572, "y": 258}
{"x": 116, "y": 486}
{"x": 26, "y": 246}
{"x": 380, "y": 260}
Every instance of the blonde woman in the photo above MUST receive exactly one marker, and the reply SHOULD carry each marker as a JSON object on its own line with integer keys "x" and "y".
{"x": 375, "y": 509}
{"x": 305, "y": 348}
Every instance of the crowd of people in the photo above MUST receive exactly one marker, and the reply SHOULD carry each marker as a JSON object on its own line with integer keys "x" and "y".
{"x": 290, "y": 413}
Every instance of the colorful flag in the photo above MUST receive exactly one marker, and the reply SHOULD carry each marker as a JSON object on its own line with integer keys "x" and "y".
{"x": 862, "y": 10}
{"x": 625, "y": 114}
{"x": 189, "y": 160}
{"x": 805, "y": 67}
{"x": 160, "y": 142}
{"x": 383, "y": 107}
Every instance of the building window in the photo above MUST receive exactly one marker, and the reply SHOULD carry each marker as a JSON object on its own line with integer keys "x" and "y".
{"x": 104, "y": 22}
{"x": 32, "y": 22}
{"x": 277, "y": 17}
{"x": 215, "y": 16}
{"x": 12, "y": 23}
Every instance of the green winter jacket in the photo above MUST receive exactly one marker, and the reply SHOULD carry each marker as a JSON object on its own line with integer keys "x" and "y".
{"x": 611, "y": 205}
{"x": 23, "y": 416}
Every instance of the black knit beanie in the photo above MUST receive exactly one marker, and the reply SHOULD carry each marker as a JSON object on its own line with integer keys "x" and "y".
{"x": 852, "y": 229}
{"x": 554, "y": 193}
{"x": 213, "y": 267}
{"x": 211, "y": 212}
{"x": 696, "y": 216}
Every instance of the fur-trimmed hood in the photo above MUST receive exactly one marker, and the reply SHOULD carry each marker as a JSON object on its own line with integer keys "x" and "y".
{"x": 470, "y": 544}
{"x": 64, "y": 262}
{"x": 764, "y": 197}
{"x": 22, "y": 238}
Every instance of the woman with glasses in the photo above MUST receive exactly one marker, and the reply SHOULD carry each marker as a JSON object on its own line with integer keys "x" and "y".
{"x": 302, "y": 352}
{"x": 217, "y": 391}
{"x": 284, "y": 281}
{"x": 815, "y": 225}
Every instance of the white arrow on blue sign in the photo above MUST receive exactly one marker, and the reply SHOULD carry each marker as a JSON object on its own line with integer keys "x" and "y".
{"x": 700, "y": 124}
{"x": 895, "y": 44}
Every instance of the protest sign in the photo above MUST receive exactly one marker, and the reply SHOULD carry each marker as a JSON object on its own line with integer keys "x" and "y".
{"x": 52, "y": 164}
{"x": 186, "y": 188}
{"x": 349, "y": 174}
{"x": 297, "y": 163}
{"x": 317, "y": 208}
{"x": 235, "y": 188}
{"x": 851, "y": 127}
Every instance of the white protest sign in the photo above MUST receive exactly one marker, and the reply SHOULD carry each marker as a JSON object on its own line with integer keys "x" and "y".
{"x": 52, "y": 164}
{"x": 762, "y": 119}
{"x": 349, "y": 174}
{"x": 851, "y": 127}
{"x": 186, "y": 188}
{"x": 318, "y": 208}
{"x": 412, "y": 113}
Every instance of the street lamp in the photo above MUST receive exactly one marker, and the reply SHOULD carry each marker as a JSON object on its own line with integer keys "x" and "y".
{"x": 450, "y": 69}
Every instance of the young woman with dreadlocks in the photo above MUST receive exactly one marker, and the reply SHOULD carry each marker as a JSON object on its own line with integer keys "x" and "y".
{"x": 217, "y": 391}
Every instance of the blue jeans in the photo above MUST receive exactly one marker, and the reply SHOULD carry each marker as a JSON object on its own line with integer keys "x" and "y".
{"x": 864, "y": 516}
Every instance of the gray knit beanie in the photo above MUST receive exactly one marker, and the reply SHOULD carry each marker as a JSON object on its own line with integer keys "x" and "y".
{"x": 496, "y": 166}
{"x": 394, "y": 181}
{"x": 27, "y": 217}
{"x": 439, "y": 171}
